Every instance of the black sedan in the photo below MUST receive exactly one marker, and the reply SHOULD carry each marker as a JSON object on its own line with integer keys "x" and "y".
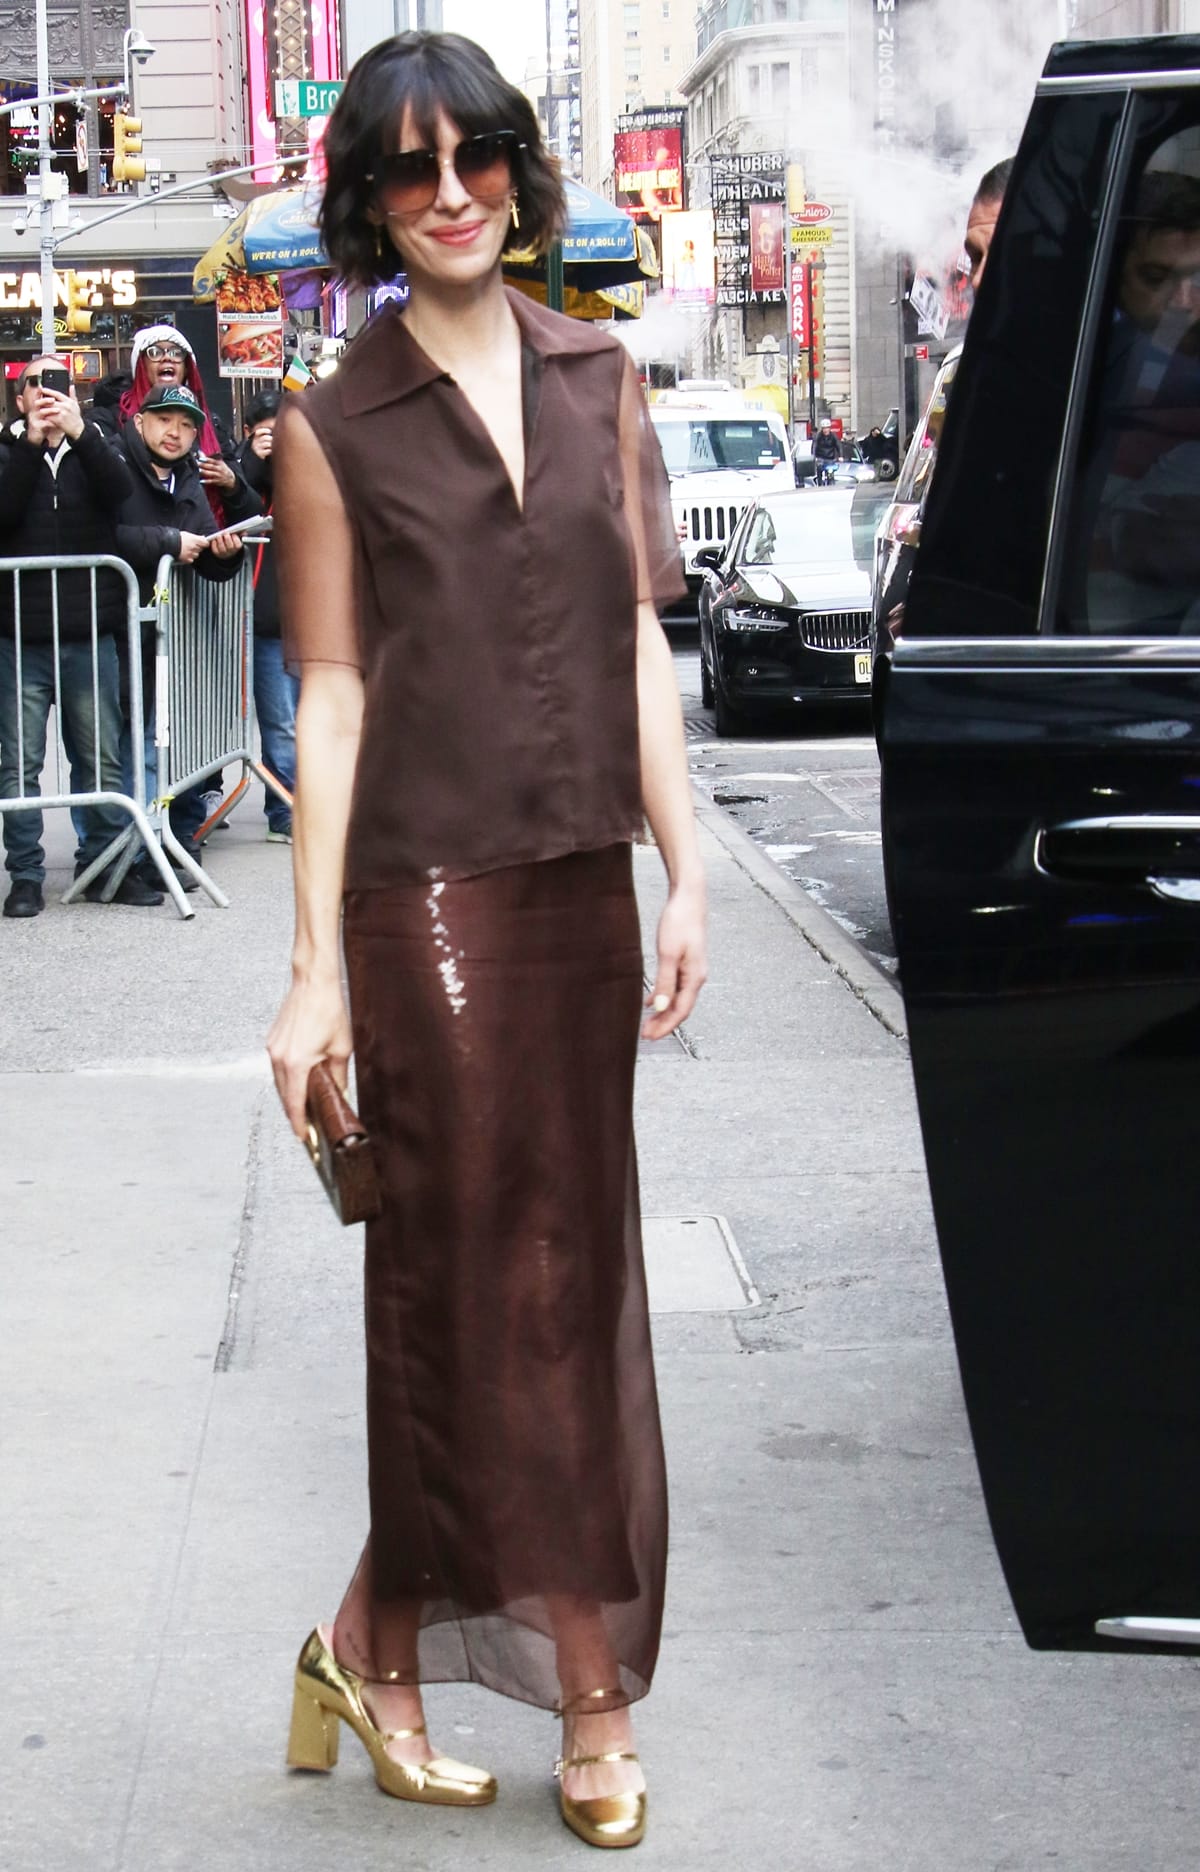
{"x": 785, "y": 608}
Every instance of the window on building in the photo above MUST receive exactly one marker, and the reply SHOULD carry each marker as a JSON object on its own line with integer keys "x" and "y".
{"x": 666, "y": 55}
{"x": 633, "y": 21}
{"x": 633, "y": 61}
{"x": 666, "y": 9}
{"x": 754, "y": 80}
{"x": 781, "y": 84}
{"x": 779, "y": 9}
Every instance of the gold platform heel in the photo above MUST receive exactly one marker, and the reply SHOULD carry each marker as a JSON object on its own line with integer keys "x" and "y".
{"x": 327, "y": 1693}
{"x": 605, "y": 1819}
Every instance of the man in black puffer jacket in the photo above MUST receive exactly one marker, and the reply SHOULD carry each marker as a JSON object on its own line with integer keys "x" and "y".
{"x": 60, "y": 488}
{"x": 167, "y": 512}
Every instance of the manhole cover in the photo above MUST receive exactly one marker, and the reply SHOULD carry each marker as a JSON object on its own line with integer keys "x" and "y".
{"x": 693, "y": 1265}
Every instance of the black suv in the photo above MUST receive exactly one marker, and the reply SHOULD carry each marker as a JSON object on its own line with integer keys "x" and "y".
{"x": 1040, "y": 738}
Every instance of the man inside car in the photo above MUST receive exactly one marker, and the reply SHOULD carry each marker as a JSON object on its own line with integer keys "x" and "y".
{"x": 1145, "y": 463}
{"x": 977, "y": 240}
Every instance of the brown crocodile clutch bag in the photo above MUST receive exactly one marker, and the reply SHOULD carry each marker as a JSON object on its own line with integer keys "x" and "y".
{"x": 340, "y": 1149}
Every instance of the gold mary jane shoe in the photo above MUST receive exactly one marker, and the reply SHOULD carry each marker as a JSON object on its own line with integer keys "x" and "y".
{"x": 327, "y": 1693}
{"x": 607, "y": 1819}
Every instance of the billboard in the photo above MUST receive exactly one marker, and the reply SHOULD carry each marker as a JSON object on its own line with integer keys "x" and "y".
{"x": 742, "y": 186}
{"x": 648, "y": 169}
{"x": 766, "y": 246}
{"x": 689, "y": 257}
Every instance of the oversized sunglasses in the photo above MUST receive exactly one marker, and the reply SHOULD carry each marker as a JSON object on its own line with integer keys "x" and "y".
{"x": 160, "y": 351}
{"x": 409, "y": 181}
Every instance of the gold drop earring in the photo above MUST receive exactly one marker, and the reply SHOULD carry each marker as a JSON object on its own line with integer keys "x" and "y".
{"x": 514, "y": 211}
{"x": 378, "y": 242}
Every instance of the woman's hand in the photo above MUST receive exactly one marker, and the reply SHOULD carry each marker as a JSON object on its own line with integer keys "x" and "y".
{"x": 682, "y": 961}
{"x": 312, "y": 1025}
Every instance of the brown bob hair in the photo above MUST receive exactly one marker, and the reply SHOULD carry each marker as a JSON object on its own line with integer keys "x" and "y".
{"x": 428, "y": 73}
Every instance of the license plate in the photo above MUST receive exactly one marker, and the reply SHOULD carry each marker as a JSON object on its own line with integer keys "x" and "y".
{"x": 862, "y": 666}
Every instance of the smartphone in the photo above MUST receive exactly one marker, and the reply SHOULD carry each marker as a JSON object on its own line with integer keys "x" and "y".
{"x": 54, "y": 377}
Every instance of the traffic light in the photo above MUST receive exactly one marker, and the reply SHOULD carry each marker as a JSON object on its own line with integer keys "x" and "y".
{"x": 79, "y": 300}
{"x": 128, "y": 165}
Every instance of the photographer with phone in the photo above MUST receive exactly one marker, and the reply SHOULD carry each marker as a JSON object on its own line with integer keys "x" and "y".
{"x": 60, "y": 489}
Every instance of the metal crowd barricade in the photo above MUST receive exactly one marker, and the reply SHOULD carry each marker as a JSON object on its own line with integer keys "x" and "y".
{"x": 121, "y": 850}
{"x": 204, "y": 695}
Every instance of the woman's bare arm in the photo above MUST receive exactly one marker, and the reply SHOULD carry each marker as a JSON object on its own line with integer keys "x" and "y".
{"x": 667, "y": 798}
{"x": 316, "y": 574}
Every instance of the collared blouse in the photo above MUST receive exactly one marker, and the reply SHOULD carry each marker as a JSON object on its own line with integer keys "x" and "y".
{"x": 496, "y": 638}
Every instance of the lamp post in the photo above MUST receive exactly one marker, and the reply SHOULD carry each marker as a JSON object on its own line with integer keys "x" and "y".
{"x": 52, "y": 189}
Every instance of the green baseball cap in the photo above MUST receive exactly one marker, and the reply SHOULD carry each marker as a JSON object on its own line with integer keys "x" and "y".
{"x": 175, "y": 397}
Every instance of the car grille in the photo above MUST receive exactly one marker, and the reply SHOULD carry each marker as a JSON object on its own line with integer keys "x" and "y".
{"x": 836, "y": 630}
{"x": 711, "y": 525}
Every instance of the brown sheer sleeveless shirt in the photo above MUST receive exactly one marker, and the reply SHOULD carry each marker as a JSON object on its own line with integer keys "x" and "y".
{"x": 497, "y": 640}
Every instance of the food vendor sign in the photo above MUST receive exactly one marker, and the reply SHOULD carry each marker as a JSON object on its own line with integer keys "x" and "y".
{"x": 249, "y": 325}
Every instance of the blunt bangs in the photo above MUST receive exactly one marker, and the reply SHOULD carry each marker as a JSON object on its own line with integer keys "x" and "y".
{"x": 425, "y": 73}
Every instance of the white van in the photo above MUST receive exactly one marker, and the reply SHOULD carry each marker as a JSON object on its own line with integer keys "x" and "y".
{"x": 720, "y": 456}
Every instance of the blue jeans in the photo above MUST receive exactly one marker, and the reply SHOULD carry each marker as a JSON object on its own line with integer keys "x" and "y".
{"x": 275, "y": 696}
{"x": 24, "y": 856}
{"x": 187, "y": 809}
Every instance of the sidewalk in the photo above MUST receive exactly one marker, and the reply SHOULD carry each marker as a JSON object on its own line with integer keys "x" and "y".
{"x": 842, "y": 1684}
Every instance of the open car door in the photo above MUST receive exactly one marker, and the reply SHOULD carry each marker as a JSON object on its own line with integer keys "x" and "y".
{"x": 1040, "y": 739}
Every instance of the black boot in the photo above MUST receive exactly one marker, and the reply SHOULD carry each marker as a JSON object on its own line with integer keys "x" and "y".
{"x": 24, "y": 899}
{"x": 132, "y": 890}
{"x": 148, "y": 872}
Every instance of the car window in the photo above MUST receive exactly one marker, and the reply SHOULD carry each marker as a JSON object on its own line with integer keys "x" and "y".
{"x": 759, "y": 548}
{"x": 1132, "y": 552}
{"x": 985, "y": 535}
{"x": 706, "y": 443}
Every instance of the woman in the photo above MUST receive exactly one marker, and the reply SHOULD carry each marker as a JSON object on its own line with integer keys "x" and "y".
{"x": 474, "y": 527}
{"x": 275, "y": 688}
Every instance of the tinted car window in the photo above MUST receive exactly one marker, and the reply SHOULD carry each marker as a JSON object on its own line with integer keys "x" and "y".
{"x": 709, "y": 443}
{"x": 1132, "y": 552}
{"x": 982, "y": 561}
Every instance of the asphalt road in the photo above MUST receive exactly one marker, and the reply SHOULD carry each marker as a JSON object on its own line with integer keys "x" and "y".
{"x": 806, "y": 789}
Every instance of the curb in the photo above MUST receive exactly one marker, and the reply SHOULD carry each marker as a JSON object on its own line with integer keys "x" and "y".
{"x": 864, "y": 978}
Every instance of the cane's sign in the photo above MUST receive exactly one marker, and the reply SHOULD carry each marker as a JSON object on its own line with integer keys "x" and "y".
{"x": 103, "y": 286}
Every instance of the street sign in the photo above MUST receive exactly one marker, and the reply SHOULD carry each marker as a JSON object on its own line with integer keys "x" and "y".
{"x": 306, "y": 97}
{"x": 810, "y": 236}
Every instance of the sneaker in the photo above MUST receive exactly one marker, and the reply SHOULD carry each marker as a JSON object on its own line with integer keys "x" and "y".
{"x": 280, "y": 834}
{"x": 24, "y": 899}
{"x": 133, "y": 890}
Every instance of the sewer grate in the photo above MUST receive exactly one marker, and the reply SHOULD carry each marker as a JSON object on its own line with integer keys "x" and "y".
{"x": 693, "y": 1265}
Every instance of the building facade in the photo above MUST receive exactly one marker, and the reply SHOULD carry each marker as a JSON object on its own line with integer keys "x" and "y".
{"x": 206, "y": 103}
{"x": 771, "y": 78}
{"x": 554, "y": 86}
{"x": 632, "y": 55}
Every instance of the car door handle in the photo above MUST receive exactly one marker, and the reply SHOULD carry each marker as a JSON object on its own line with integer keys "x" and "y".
{"x": 1158, "y": 849}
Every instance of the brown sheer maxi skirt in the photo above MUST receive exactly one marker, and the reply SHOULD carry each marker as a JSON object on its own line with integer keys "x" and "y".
{"x": 516, "y": 1462}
